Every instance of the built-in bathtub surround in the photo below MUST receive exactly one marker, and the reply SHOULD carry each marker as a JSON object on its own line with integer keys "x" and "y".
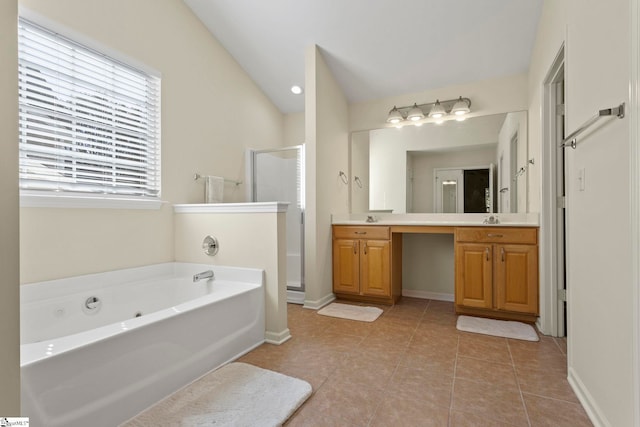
{"x": 98, "y": 349}
{"x": 249, "y": 235}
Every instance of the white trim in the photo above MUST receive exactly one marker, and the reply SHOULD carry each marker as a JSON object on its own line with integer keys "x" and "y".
{"x": 548, "y": 321}
{"x": 634, "y": 195}
{"x": 259, "y": 207}
{"x": 85, "y": 201}
{"x": 587, "y": 400}
{"x": 277, "y": 338}
{"x": 295, "y": 297}
{"x": 437, "y": 296}
{"x": 318, "y": 304}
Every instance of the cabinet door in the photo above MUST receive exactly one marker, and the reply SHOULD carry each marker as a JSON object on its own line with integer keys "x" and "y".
{"x": 346, "y": 266}
{"x": 473, "y": 275}
{"x": 375, "y": 262}
{"x": 516, "y": 271}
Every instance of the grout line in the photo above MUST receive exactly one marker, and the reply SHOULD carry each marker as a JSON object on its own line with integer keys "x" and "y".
{"x": 453, "y": 380}
{"x": 515, "y": 374}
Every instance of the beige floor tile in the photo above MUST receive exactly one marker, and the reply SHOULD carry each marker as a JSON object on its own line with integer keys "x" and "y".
{"x": 488, "y": 401}
{"x": 484, "y": 347}
{"x": 428, "y": 386}
{"x": 410, "y": 411}
{"x": 466, "y": 419}
{"x": 547, "y": 383}
{"x": 485, "y": 371}
{"x": 545, "y": 412}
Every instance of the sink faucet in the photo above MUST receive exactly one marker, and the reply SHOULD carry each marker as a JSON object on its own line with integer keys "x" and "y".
{"x": 204, "y": 275}
{"x": 491, "y": 220}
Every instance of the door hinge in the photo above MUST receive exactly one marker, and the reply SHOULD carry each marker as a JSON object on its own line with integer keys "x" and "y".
{"x": 562, "y": 294}
{"x": 560, "y": 109}
{"x": 562, "y": 202}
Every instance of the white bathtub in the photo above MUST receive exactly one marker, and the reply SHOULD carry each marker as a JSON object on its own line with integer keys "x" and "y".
{"x": 101, "y": 367}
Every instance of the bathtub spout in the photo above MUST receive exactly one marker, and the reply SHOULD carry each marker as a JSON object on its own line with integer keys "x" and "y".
{"x": 204, "y": 275}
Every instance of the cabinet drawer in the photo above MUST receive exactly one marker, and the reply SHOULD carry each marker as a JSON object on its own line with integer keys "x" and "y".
{"x": 528, "y": 235}
{"x": 365, "y": 232}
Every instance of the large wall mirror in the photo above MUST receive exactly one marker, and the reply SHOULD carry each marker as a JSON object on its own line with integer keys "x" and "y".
{"x": 476, "y": 165}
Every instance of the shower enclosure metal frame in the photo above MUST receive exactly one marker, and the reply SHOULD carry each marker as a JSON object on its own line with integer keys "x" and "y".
{"x": 254, "y": 196}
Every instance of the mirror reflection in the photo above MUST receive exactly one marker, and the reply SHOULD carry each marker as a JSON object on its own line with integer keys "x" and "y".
{"x": 476, "y": 165}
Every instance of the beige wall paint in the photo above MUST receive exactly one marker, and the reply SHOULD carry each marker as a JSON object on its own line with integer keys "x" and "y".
{"x": 237, "y": 234}
{"x": 600, "y": 287}
{"x": 327, "y": 138}
{"x": 293, "y": 129}
{"x": 207, "y": 102}
{"x": 9, "y": 238}
{"x": 499, "y": 95}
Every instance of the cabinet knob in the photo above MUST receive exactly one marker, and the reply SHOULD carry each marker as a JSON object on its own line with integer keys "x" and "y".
{"x": 360, "y": 232}
{"x": 355, "y": 248}
{"x": 494, "y": 235}
{"x": 365, "y": 247}
{"x": 502, "y": 254}
{"x": 486, "y": 251}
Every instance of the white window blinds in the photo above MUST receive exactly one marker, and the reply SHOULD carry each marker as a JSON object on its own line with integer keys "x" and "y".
{"x": 88, "y": 123}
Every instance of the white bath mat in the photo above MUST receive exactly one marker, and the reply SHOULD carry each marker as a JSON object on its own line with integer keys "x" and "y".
{"x": 498, "y": 328}
{"x": 351, "y": 312}
{"x": 237, "y": 394}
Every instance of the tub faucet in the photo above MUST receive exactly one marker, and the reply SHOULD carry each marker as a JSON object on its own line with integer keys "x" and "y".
{"x": 204, "y": 275}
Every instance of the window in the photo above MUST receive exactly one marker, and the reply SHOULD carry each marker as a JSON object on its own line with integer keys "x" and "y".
{"x": 89, "y": 125}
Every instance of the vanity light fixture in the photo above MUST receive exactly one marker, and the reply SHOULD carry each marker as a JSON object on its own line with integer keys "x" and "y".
{"x": 436, "y": 110}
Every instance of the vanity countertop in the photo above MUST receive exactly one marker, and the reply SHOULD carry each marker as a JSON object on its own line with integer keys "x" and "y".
{"x": 434, "y": 219}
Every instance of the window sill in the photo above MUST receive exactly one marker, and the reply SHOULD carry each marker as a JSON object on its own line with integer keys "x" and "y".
{"x": 86, "y": 201}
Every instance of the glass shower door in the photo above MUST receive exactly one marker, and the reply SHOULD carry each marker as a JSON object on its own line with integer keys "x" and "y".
{"x": 277, "y": 176}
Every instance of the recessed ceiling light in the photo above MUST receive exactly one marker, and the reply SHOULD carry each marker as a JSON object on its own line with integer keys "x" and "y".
{"x": 296, "y": 89}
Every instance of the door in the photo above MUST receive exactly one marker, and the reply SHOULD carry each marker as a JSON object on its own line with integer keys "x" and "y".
{"x": 449, "y": 192}
{"x": 346, "y": 266}
{"x": 278, "y": 176}
{"x": 375, "y": 262}
{"x": 474, "y": 281}
{"x": 516, "y": 278}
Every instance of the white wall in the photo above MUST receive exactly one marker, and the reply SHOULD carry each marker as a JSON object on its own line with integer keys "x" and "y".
{"x": 293, "y": 129}
{"x": 514, "y": 123}
{"x": 424, "y": 163}
{"x": 9, "y": 239}
{"x": 359, "y": 161}
{"x": 237, "y": 234}
{"x": 600, "y": 288}
{"x": 327, "y": 138}
{"x": 388, "y": 153}
{"x": 207, "y": 103}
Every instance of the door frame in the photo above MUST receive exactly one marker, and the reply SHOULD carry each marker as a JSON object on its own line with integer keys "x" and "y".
{"x": 550, "y": 321}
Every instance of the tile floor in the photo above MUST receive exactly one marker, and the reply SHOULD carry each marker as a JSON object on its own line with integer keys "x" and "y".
{"x": 411, "y": 367}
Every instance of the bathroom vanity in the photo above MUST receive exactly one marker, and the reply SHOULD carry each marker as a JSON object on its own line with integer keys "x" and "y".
{"x": 496, "y": 265}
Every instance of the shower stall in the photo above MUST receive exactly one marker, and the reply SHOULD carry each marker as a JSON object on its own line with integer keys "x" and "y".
{"x": 278, "y": 175}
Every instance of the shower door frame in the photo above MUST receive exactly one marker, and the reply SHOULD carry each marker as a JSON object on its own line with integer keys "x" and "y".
{"x": 251, "y": 171}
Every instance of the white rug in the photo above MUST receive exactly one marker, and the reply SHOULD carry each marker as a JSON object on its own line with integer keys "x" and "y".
{"x": 236, "y": 395}
{"x": 351, "y": 312}
{"x": 498, "y": 328}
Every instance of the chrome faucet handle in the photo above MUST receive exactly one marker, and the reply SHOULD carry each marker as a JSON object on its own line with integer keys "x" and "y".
{"x": 210, "y": 245}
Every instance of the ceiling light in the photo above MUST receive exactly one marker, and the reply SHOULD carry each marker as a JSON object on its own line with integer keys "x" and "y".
{"x": 461, "y": 107}
{"x": 415, "y": 113}
{"x": 296, "y": 89}
{"x": 437, "y": 110}
{"x": 395, "y": 116}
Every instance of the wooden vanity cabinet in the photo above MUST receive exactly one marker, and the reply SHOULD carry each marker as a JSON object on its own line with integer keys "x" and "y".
{"x": 362, "y": 264}
{"x": 496, "y": 272}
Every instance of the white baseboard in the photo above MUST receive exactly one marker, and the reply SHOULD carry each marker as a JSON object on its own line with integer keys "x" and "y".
{"x": 317, "y": 304}
{"x": 295, "y": 297}
{"x": 583, "y": 395}
{"x": 427, "y": 295}
{"x": 277, "y": 338}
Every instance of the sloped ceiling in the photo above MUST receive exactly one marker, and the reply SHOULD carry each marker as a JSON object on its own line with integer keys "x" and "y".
{"x": 374, "y": 48}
